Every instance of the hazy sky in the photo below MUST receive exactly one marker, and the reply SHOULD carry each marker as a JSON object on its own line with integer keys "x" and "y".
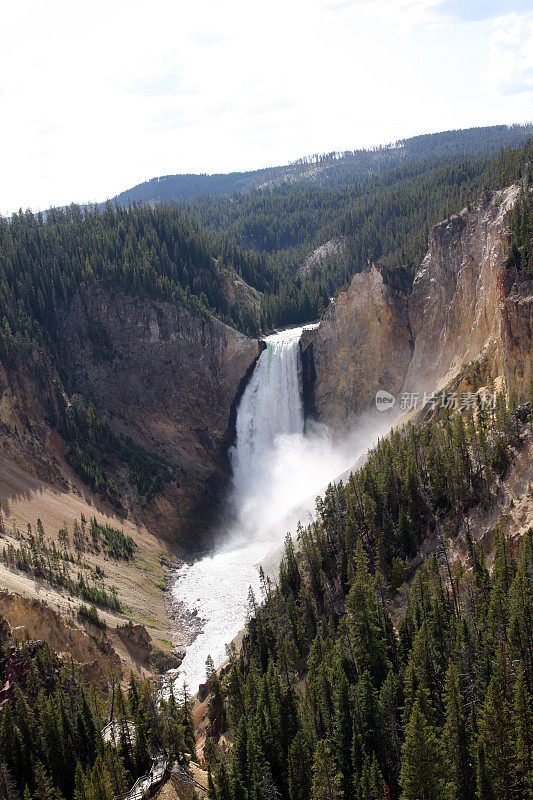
{"x": 96, "y": 97}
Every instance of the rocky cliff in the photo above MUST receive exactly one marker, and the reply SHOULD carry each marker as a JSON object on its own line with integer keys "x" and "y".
{"x": 457, "y": 307}
{"x": 170, "y": 381}
{"x": 464, "y": 304}
{"x": 363, "y": 344}
{"x": 160, "y": 375}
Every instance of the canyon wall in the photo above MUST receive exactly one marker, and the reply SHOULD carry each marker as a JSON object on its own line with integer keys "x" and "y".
{"x": 457, "y": 303}
{"x": 160, "y": 375}
{"x": 363, "y": 344}
{"x": 464, "y": 304}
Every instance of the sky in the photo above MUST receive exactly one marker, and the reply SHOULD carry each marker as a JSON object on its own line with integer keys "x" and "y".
{"x": 97, "y": 97}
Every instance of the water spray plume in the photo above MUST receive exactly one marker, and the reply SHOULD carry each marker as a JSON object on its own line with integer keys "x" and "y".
{"x": 278, "y": 470}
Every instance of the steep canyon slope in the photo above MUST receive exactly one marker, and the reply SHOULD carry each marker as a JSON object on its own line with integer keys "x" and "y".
{"x": 166, "y": 379}
{"x": 465, "y": 304}
{"x": 168, "y": 382}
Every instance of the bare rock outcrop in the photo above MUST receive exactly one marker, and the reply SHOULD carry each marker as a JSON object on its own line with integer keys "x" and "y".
{"x": 333, "y": 250}
{"x": 362, "y": 345}
{"x": 457, "y": 307}
{"x": 465, "y": 304}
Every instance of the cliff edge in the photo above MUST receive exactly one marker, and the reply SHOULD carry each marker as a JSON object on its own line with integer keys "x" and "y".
{"x": 465, "y": 303}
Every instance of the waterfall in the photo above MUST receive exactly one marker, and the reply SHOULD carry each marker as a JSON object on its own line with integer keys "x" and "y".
{"x": 278, "y": 470}
{"x": 271, "y": 404}
{"x": 271, "y": 407}
{"x": 270, "y": 420}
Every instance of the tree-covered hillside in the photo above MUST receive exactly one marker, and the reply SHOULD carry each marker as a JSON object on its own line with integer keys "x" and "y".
{"x": 52, "y": 745}
{"x": 161, "y": 252}
{"x": 158, "y": 253}
{"x": 338, "y": 692}
{"x": 521, "y": 227}
{"x": 338, "y": 695}
{"x": 385, "y": 218}
{"x": 330, "y": 169}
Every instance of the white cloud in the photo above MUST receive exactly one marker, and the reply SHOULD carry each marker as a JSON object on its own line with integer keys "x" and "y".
{"x": 97, "y": 97}
{"x": 511, "y": 53}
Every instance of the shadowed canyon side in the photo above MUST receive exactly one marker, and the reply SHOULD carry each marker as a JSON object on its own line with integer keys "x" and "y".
{"x": 465, "y": 304}
{"x": 170, "y": 382}
{"x": 164, "y": 378}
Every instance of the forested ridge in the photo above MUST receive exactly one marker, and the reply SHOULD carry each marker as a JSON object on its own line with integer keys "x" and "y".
{"x": 157, "y": 253}
{"x": 165, "y": 254}
{"x": 330, "y": 169}
{"x": 385, "y": 218}
{"x": 334, "y": 693}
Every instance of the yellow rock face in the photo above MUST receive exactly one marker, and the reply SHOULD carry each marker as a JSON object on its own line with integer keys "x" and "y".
{"x": 463, "y": 304}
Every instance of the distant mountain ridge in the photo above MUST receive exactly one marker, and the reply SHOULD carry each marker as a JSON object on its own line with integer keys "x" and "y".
{"x": 329, "y": 169}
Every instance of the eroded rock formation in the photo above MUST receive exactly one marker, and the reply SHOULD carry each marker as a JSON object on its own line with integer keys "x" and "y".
{"x": 363, "y": 344}
{"x": 160, "y": 375}
{"x": 464, "y": 304}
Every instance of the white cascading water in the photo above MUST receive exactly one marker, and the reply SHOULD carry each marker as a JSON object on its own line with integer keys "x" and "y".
{"x": 277, "y": 473}
{"x": 271, "y": 407}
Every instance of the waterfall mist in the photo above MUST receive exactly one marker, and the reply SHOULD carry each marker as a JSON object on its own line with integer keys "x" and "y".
{"x": 278, "y": 470}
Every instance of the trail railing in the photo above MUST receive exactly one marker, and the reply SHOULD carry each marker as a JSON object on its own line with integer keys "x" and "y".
{"x": 145, "y": 785}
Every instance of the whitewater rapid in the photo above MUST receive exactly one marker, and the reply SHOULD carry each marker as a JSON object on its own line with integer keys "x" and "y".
{"x": 278, "y": 470}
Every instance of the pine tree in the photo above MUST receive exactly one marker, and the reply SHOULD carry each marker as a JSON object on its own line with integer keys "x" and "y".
{"x": 497, "y": 732}
{"x": 223, "y": 788}
{"x": 216, "y": 707}
{"x": 455, "y": 740}
{"x": 80, "y": 784}
{"x": 523, "y": 720}
{"x": 421, "y": 776}
{"x": 300, "y": 760}
{"x": 141, "y": 749}
{"x": 327, "y": 781}
{"x": 10, "y": 746}
{"x": 101, "y": 787}
{"x": 365, "y": 622}
{"x": 342, "y": 725}
{"x": 44, "y": 787}
{"x": 484, "y": 789}
{"x": 211, "y": 788}
{"x": 133, "y": 694}
{"x": 239, "y": 771}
